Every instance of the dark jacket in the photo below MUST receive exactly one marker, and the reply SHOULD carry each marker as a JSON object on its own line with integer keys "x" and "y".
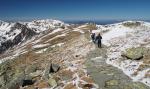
{"x": 93, "y": 36}
{"x": 99, "y": 37}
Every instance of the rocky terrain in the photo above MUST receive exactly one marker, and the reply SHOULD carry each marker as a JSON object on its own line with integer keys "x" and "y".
{"x": 50, "y": 54}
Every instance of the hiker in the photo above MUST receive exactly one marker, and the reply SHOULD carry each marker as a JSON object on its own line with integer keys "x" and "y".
{"x": 93, "y": 37}
{"x": 98, "y": 39}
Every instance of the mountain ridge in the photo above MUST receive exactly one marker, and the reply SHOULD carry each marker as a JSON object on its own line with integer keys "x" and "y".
{"x": 65, "y": 47}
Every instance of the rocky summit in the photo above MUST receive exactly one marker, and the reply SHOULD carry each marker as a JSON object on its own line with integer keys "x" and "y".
{"x": 51, "y": 54}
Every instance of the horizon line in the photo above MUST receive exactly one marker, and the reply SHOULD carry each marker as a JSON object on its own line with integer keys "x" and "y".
{"x": 17, "y": 20}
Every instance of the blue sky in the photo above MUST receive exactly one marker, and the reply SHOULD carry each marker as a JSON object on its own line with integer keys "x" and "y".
{"x": 75, "y": 9}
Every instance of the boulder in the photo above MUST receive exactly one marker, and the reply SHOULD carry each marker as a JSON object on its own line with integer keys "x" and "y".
{"x": 54, "y": 68}
{"x": 36, "y": 74}
{"x": 52, "y": 82}
{"x": 50, "y": 68}
{"x": 27, "y": 82}
{"x": 10, "y": 77}
{"x": 134, "y": 53}
{"x": 46, "y": 72}
{"x": 15, "y": 81}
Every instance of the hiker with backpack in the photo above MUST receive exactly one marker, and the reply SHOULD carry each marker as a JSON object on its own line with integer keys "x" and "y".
{"x": 93, "y": 37}
{"x": 98, "y": 39}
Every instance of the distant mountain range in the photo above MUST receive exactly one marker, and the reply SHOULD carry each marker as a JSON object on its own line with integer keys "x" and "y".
{"x": 12, "y": 33}
{"x": 102, "y": 22}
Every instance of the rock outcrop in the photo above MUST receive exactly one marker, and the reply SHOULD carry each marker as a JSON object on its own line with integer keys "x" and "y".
{"x": 134, "y": 53}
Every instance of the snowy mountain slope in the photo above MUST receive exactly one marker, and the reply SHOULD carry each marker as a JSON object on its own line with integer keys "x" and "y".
{"x": 13, "y": 33}
{"x": 42, "y": 25}
{"x": 28, "y": 38}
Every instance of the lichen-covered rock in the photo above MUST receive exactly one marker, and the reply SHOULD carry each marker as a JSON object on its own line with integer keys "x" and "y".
{"x": 10, "y": 76}
{"x": 111, "y": 83}
{"x": 134, "y": 53}
{"x": 15, "y": 81}
{"x": 36, "y": 74}
{"x": 50, "y": 68}
{"x": 52, "y": 82}
{"x": 135, "y": 85}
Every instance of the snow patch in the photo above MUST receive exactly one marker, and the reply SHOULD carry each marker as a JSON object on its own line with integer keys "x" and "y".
{"x": 82, "y": 26}
{"x": 121, "y": 39}
{"x": 62, "y": 35}
{"x": 78, "y": 30}
{"x": 40, "y": 45}
{"x": 56, "y": 30}
{"x": 113, "y": 33}
{"x": 41, "y": 51}
{"x": 59, "y": 44}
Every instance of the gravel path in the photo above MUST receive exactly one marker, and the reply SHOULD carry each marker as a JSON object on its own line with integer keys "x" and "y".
{"x": 107, "y": 76}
